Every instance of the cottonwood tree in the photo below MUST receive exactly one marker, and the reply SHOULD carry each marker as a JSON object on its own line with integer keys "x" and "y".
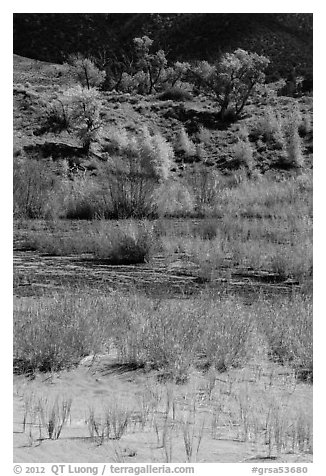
{"x": 152, "y": 63}
{"x": 176, "y": 73}
{"x": 233, "y": 80}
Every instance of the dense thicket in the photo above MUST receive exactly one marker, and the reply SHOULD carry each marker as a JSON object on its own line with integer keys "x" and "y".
{"x": 285, "y": 38}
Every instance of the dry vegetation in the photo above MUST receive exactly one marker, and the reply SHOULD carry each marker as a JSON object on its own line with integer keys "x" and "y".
{"x": 242, "y": 194}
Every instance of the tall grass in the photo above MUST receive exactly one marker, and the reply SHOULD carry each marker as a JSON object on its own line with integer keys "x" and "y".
{"x": 32, "y": 187}
{"x": 281, "y": 246}
{"x": 289, "y": 332}
{"x": 55, "y": 333}
{"x": 123, "y": 243}
{"x": 171, "y": 336}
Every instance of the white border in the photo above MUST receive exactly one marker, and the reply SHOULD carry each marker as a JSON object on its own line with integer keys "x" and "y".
{"x": 319, "y": 186}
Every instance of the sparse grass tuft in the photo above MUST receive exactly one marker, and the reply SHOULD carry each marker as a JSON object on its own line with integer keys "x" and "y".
{"x": 45, "y": 414}
{"x": 54, "y": 416}
{"x": 111, "y": 426}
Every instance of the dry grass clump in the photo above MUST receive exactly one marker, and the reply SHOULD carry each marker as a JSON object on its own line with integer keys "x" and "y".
{"x": 54, "y": 415}
{"x": 111, "y": 426}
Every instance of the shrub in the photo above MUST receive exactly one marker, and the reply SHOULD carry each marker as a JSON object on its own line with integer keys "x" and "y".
{"x": 144, "y": 163}
{"x": 76, "y": 110}
{"x": 58, "y": 116}
{"x": 82, "y": 199}
{"x": 243, "y": 155}
{"x": 85, "y": 71}
{"x": 136, "y": 83}
{"x": 156, "y": 155}
{"x": 117, "y": 140}
{"x": 184, "y": 145}
{"x": 173, "y": 199}
{"x": 293, "y": 142}
{"x": 85, "y": 109}
{"x": 131, "y": 245}
{"x": 204, "y": 136}
{"x": 269, "y": 129}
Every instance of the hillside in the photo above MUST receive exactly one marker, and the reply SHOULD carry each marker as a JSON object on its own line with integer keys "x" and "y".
{"x": 285, "y": 38}
{"x": 36, "y": 83}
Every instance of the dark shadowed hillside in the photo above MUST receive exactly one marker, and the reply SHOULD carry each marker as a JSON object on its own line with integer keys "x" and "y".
{"x": 285, "y": 38}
